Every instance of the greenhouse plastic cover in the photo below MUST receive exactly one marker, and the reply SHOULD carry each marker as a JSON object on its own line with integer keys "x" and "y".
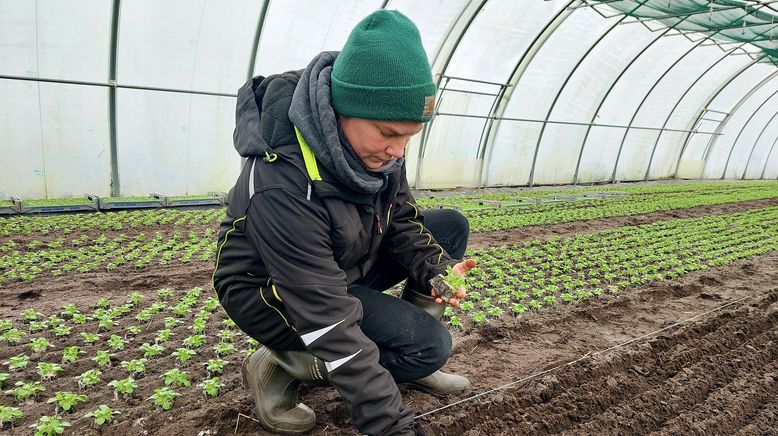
{"x": 113, "y": 97}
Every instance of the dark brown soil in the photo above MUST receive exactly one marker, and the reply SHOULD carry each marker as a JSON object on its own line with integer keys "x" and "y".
{"x": 714, "y": 375}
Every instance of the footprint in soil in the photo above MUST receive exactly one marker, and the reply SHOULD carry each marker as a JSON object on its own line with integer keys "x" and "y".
{"x": 709, "y": 281}
{"x": 29, "y": 295}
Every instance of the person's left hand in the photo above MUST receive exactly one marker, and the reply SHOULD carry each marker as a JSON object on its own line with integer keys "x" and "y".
{"x": 461, "y": 268}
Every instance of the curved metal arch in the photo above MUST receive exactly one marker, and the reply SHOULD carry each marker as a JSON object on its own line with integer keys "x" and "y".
{"x": 440, "y": 63}
{"x": 257, "y": 37}
{"x": 767, "y": 161}
{"x": 704, "y": 106}
{"x": 677, "y": 103}
{"x": 507, "y": 92}
{"x": 734, "y": 109}
{"x": 605, "y": 97}
{"x": 751, "y": 154}
{"x": 559, "y": 93}
{"x": 742, "y": 129}
{"x": 645, "y": 97}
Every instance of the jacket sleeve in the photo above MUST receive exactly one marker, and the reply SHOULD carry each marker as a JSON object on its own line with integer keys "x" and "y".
{"x": 411, "y": 243}
{"x": 292, "y": 235}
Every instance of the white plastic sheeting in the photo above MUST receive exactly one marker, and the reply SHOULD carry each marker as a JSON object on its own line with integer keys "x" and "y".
{"x": 531, "y": 92}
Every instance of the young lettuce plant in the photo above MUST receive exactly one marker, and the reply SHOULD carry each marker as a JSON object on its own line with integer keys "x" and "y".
{"x": 215, "y": 366}
{"x": 163, "y": 398}
{"x": 102, "y": 414}
{"x": 89, "y": 378}
{"x": 18, "y": 362}
{"x": 211, "y": 387}
{"x": 39, "y": 345}
{"x": 177, "y": 377}
{"x": 124, "y": 387}
{"x": 49, "y": 426}
{"x": 102, "y": 358}
{"x": 183, "y": 355}
{"x": 70, "y": 354}
{"x": 8, "y": 415}
{"x": 151, "y": 350}
{"x": 48, "y": 371}
{"x": 24, "y": 391}
{"x": 90, "y": 338}
{"x": 66, "y": 400}
{"x": 135, "y": 366}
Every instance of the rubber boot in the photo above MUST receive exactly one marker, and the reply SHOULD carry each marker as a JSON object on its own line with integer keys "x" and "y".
{"x": 442, "y": 384}
{"x": 275, "y": 395}
{"x": 303, "y": 366}
{"x": 438, "y": 383}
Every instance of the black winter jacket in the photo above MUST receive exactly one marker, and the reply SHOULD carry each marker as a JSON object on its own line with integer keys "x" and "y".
{"x": 307, "y": 241}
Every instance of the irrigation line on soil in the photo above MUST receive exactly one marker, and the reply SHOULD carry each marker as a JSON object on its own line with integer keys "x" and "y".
{"x": 590, "y": 353}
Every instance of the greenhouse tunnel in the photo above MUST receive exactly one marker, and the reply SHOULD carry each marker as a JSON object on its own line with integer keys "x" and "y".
{"x": 122, "y": 98}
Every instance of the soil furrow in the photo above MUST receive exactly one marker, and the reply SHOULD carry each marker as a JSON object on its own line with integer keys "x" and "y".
{"x": 732, "y": 405}
{"x": 667, "y": 382}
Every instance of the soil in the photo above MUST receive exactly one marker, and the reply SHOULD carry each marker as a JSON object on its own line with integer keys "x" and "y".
{"x": 715, "y": 374}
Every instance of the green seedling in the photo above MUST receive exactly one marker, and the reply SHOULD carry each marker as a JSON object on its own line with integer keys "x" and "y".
{"x": 31, "y": 315}
{"x": 48, "y": 371}
{"x": 211, "y": 387}
{"x": 177, "y": 377}
{"x": 18, "y": 362}
{"x": 102, "y": 358}
{"x": 133, "y": 330}
{"x": 215, "y": 366}
{"x": 124, "y": 387}
{"x": 163, "y": 335}
{"x": 194, "y": 341}
{"x": 89, "y": 378}
{"x": 12, "y": 336}
{"x": 151, "y": 350}
{"x": 66, "y": 400}
{"x": 8, "y": 415}
{"x": 102, "y": 414}
{"x": 90, "y": 338}
{"x": 163, "y": 398}
{"x": 223, "y": 349}
{"x": 116, "y": 342}
{"x": 183, "y": 355}
{"x": 3, "y": 378}
{"x": 49, "y": 426}
{"x": 70, "y": 354}
{"x": 171, "y": 322}
{"x": 135, "y": 366}
{"x": 39, "y": 345}
{"x": 24, "y": 391}
{"x": 62, "y": 331}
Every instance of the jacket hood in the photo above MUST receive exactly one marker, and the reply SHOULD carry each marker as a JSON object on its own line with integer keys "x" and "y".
{"x": 261, "y": 113}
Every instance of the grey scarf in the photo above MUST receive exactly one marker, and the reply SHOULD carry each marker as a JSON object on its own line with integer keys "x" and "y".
{"x": 311, "y": 111}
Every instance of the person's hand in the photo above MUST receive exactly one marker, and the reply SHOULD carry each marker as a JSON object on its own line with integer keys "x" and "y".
{"x": 461, "y": 268}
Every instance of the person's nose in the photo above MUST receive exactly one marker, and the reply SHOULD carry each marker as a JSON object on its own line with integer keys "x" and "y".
{"x": 396, "y": 148}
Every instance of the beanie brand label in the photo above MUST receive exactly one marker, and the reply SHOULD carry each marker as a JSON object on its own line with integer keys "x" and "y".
{"x": 429, "y": 106}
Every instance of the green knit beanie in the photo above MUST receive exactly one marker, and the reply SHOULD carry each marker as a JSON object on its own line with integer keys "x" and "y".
{"x": 383, "y": 73}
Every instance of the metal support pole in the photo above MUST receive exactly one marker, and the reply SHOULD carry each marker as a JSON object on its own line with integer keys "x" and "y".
{"x": 521, "y": 66}
{"x": 678, "y": 102}
{"x": 640, "y": 106}
{"x": 767, "y": 161}
{"x": 559, "y": 93}
{"x": 440, "y": 64}
{"x": 742, "y": 129}
{"x": 604, "y": 98}
{"x": 115, "y": 180}
{"x": 751, "y": 154}
{"x": 705, "y": 109}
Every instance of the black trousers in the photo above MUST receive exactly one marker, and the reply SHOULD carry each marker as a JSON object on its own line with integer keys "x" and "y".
{"x": 412, "y": 344}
